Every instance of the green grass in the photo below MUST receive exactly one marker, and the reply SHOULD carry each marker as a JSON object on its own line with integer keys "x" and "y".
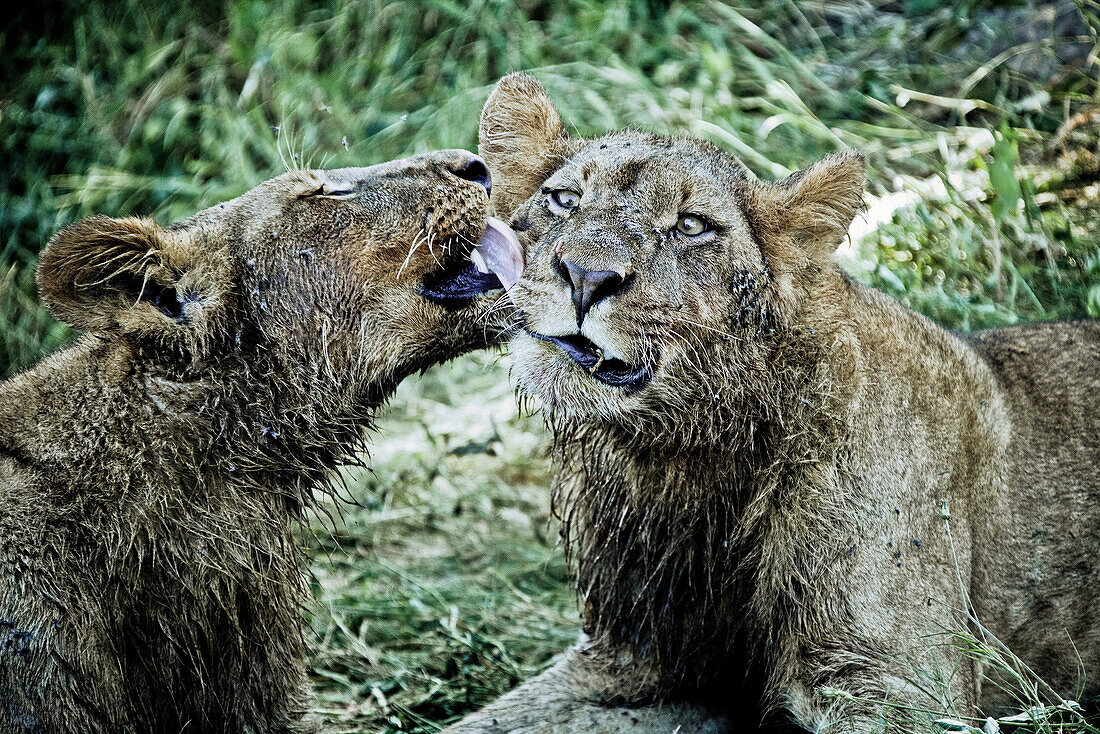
{"x": 134, "y": 108}
{"x": 443, "y": 584}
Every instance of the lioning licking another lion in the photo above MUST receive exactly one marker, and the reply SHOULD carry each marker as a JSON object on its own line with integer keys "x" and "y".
{"x": 792, "y": 502}
{"x": 152, "y": 473}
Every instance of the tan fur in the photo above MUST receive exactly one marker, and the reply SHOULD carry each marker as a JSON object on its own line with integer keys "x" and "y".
{"x": 813, "y": 484}
{"x": 151, "y": 474}
{"x": 516, "y": 108}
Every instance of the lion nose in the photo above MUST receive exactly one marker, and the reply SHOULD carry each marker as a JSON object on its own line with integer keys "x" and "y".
{"x": 589, "y": 286}
{"x": 475, "y": 170}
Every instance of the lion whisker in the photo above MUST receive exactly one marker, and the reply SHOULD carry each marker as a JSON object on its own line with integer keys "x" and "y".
{"x": 498, "y": 304}
{"x": 462, "y": 237}
{"x": 688, "y": 344}
{"x": 684, "y": 319}
{"x": 416, "y": 243}
{"x": 431, "y": 250}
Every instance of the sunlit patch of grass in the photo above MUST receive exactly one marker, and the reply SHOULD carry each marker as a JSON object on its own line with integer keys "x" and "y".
{"x": 442, "y": 586}
{"x": 945, "y": 259}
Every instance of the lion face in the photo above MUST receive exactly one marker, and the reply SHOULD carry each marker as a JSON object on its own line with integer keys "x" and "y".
{"x": 655, "y": 266}
{"x": 364, "y": 274}
{"x": 630, "y": 243}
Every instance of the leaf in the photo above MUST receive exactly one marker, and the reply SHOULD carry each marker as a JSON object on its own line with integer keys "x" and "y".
{"x": 1002, "y": 178}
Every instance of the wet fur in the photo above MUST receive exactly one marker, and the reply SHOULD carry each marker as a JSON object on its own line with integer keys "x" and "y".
{"x": 817, "y": 484}
{"x": 152, "y": 473}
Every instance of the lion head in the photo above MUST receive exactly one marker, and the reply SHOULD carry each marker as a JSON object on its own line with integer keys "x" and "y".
{"x": 661, "y": 274}
{"x": 357, "y": 275}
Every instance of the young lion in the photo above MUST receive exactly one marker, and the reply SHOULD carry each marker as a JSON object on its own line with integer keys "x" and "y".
{"x": 781, "y": 488}
{"x": 151, "y": 474}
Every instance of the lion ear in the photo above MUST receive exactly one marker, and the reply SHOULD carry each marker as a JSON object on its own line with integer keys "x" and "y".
{"x": 522, "y": 139}
{"x": 813, "y": 207}
{"x": 103, "y": 274}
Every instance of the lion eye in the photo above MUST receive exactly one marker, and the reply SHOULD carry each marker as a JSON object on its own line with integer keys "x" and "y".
{"x": 330, "y": 191}
{"x": 692, "y": 225}
{"x": 566, "y": 198}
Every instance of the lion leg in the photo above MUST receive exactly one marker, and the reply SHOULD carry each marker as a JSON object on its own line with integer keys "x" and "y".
{"x": 577, "y": 696}
{"x": 870, "y": 702}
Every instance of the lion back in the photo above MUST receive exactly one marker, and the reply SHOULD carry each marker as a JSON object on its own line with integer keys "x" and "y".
{"x": 1042, "y": 541}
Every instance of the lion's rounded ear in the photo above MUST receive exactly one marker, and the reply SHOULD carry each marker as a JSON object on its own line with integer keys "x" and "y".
{"x": 522, "y": 138}
{"x": 102, "y": 274}
{"x": 813, "y": 207}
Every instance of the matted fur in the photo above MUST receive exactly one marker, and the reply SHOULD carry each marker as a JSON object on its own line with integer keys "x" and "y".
{"x": 152, "y": 473}
{"x": 814, "y": 484}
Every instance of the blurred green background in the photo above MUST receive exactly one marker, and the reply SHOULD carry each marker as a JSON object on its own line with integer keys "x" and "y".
{"x": 444, "y": 586}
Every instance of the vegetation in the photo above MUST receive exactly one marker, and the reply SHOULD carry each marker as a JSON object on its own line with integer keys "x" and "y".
{"x": 441, "y": 585}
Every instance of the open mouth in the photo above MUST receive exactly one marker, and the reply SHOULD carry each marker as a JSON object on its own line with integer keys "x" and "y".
{"x": 495, "y": 262}
{"x": 590, "y": 357}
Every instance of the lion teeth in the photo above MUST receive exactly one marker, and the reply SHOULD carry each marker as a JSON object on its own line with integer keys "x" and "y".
{"x": 479, "y": 261}
{"x": 599, "y": 361}
{"x": 501, "y": 252}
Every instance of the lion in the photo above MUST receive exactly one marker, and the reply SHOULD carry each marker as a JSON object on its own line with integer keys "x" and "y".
{"x": 151, "y": 474}
{"x": 792, "y": 502}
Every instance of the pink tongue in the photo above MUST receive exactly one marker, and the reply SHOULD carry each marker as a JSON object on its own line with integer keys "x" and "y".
{"x": 500, "y": 252}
